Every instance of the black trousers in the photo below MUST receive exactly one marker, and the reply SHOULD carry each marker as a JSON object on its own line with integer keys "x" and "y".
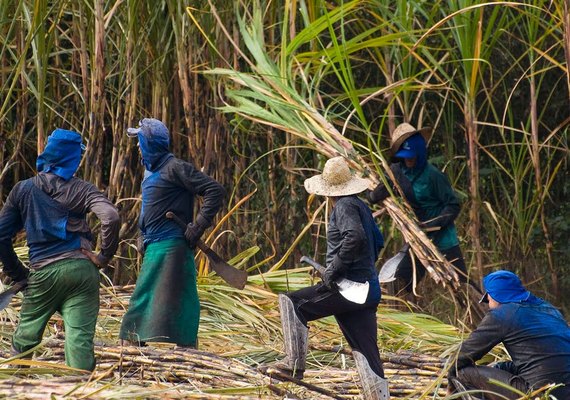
{"x": 478, "y": 378}
{"x": 356, "y": 321}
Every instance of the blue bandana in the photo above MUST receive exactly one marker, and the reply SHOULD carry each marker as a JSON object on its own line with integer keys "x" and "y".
{"x": 154, "y": 141}
{"x": 505, "y": 287}
{"x": 62, "y": 154}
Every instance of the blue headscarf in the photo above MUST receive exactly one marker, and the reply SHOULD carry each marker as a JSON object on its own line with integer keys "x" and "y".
{"x": 62, "y": 154}
{"x": 414, "y": 147}
{"x": 154, "y": 141}
{"x": 505, "y": 287}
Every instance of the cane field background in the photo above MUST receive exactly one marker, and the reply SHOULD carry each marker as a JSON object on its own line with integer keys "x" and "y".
{"x": 258, "y": 94}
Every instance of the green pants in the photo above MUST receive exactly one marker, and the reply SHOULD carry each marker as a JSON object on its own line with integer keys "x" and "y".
{"x": 164, "y": 306}
{"x": 70, "y": 287}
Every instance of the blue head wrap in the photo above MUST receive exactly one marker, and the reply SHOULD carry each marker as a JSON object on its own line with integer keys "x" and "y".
{"x": 414, "y": 147}
{"x": 62, "y": 154}
{"x": 505, "y": 287}
{"x": 154, "y": 141}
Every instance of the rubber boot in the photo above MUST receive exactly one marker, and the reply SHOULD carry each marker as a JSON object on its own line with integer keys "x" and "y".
{"x": 374, "y": 387}
{"x": 295, "y": 338}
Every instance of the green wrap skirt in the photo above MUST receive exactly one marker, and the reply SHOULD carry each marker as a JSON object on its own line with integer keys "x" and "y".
{"x": 164, "y": 306}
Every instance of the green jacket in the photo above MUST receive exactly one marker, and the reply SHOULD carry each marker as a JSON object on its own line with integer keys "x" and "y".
{"x": 435, "y": 204}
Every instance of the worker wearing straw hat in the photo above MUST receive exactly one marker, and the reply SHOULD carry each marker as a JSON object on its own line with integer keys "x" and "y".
{"x": 430, "y": 194}
{"x": 353, "y": 243}
{"x": 535, "y": 335}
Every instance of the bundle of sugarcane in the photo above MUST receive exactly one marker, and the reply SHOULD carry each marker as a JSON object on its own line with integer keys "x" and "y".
{"x": 268, "y": 95}
{"x": 195, "y": 371}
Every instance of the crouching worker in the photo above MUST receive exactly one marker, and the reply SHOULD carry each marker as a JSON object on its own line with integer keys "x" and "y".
{"x": 349, "y": 290}
{"x": 534, "y": 333}
{"x": 63, "y": 275}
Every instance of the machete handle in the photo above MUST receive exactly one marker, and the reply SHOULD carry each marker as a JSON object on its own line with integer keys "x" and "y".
{"x": 313, "y": 263}
{"x": 200, "y": 244}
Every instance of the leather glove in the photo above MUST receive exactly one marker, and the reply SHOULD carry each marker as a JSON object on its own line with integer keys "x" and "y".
{"x": 140, "y": 245}
{"x": 195, "y": 230}
{"x": 329, "y": 279}
{"x": 18, "y": 273}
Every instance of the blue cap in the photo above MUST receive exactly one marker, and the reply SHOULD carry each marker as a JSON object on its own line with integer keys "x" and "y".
{"x": 504, "y": 287}
{"x": 411, "y": 147}
{"x": 149, "y": 126}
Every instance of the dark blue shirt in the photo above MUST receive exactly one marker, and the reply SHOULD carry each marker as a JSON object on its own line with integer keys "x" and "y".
{"x": 172, "y": 187}
{"x": 536, "y": 337}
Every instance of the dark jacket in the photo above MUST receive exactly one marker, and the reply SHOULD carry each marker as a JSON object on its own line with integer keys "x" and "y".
{"x": 353, "y": 240}
{"x": 536, "y": 337}
{"x": 53, "y": 210}
{"x": 172, "y": 187}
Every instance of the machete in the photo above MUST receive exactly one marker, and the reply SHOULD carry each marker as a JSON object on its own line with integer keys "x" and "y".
{"x": 6, "y": 295}
{"x": 390, "y": 268}
{"x": 352, "y": 291}
{"x": 388, "y": 271}
{"x": 233, "y": 276}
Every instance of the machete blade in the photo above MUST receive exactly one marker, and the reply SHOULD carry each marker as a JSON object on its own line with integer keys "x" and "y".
{"x": 6, "y": 296}
{"x": 233, "y": 276}
{"x": 388, "y": 271}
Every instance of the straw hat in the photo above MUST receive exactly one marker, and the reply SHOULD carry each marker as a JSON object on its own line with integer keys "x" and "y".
{"x": 403, "y": 132}
{"x": 336, "y": 180}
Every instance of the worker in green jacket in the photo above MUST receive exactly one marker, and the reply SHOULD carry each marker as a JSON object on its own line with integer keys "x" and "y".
{"x": 431, "y": 196}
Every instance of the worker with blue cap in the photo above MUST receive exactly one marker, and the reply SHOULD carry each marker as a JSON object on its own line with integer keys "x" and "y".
{"x": 535, "y": 335}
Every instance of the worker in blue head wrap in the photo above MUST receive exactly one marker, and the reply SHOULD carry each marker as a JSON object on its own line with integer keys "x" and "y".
{"x": 167, "y": 280}
{"x": 431, "y": 196}
{"x": 62, "y": 154}
{"x": 62, "y": 276}
{"x": 534, "y": 333}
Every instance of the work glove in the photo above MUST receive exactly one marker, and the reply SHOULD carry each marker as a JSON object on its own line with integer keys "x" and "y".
{"x": 329, "y": 279}
{"x": 195, "y": 230}
{"x": 140, "y": 245}
{"x": 445, "y": 218}
{"x": 17, "y": 273}
{"x": 332, "y": 273}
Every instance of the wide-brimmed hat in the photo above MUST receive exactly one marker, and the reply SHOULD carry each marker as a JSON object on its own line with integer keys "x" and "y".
{"x": 403, "y": 132}
{"x": 336, "y": 180}
{"x": 504, "y": 287}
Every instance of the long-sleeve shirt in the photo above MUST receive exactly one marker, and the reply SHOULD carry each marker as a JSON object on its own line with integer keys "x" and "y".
{"x": 353, "y": 239}
{"x": 430, "y": 194}
{"x": 73, "y": 198}
{"x": 173, "y": 187}
{"x": 536, "y": 337}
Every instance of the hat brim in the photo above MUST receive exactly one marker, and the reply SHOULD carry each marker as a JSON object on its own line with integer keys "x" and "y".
{"x": 133, "y": 132}
{"x": 427, "y": 133}
{"x": 405, "y": 154}
{"x": 317, "y": 185}
{"x": 484, "y": 298}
